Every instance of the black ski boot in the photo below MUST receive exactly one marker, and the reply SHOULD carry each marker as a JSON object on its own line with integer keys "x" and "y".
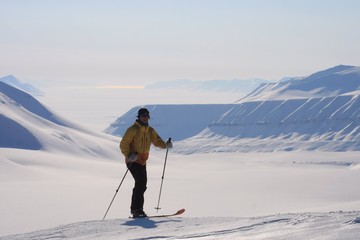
{"x": 139, "y": 213}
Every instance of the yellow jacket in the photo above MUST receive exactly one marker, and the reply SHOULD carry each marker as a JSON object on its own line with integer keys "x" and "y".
{"x": 137, "y": 139}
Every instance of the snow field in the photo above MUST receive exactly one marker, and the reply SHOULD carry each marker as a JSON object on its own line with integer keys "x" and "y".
{"x": 43, "y": 190}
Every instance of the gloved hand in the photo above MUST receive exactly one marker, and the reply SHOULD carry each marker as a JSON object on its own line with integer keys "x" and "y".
{"x": 169, "y": 143}
{"x": 132, "y": 157}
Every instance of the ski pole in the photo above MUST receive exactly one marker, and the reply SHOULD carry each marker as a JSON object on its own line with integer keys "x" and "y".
{"x": 117, "y": 190}
{"x": 162, "y": 178}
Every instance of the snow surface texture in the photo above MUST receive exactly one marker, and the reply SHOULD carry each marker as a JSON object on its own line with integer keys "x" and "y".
{"x": 54, "y": 172}
{"x": 336, "y": 225}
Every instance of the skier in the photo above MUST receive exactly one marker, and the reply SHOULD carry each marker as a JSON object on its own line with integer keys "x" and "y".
{"x": 135, "y": 145}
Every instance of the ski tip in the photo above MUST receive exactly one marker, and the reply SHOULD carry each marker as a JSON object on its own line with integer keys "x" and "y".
{"x": 181, "y": 211}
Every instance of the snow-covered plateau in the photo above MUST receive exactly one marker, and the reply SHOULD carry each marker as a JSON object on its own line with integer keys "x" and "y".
{"x": 272, "y": 167}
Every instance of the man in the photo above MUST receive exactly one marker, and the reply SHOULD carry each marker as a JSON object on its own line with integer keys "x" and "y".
{"x": 135, "y": 145}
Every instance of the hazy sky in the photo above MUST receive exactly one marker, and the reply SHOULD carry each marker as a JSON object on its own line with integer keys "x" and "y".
{"x": 114, "y": 42}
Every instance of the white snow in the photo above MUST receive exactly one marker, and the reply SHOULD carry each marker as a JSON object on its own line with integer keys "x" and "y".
{"x": 57, "y": 177}
{"x": 336, "y": 225}
{"x": 328, "y": 83}
{"x": 220, "y": 192}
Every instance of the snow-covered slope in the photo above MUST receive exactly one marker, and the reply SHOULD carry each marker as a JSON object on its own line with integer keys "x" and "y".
{"x": 328, "y": 124}
{"x": 327, "y": 83}
{"x": 27, "y": 124}
{"x": 41, "y": 190}
{"x": 14, "y": 82}
{"x": 315, "y": 226}
{"x": 28, "y": 102}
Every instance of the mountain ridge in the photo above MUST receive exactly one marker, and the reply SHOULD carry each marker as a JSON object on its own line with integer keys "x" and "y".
{"x": 331, "y": 82}
{"x": 270, "y": 118}
{"x": 14, "y": 82}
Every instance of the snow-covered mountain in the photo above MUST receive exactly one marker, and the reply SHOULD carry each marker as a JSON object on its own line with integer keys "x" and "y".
{"x": 27, "y": 124}
{"x": 14, "y": 82}
{"x": 328, "y": 123}
{"x": 327, "y": 83}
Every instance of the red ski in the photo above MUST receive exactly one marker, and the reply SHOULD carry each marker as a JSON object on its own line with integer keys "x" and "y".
{"x": 181, "y": 211}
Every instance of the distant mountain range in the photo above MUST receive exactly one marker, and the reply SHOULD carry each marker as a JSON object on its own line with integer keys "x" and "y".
{"x": 235, "y": 85}
{"x": 318, "y": 112}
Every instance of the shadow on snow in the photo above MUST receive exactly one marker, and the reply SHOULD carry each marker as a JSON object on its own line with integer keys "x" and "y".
{"x": 147, "y": 222}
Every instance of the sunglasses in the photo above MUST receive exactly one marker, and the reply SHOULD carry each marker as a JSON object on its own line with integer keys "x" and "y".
{"x": 145, "y": 115}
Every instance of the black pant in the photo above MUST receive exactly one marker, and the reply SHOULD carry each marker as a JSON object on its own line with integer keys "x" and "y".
{"x": 140, "y": 176}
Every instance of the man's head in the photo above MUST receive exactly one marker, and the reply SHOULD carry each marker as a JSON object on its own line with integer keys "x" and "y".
{"x": 143, "y": 115}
